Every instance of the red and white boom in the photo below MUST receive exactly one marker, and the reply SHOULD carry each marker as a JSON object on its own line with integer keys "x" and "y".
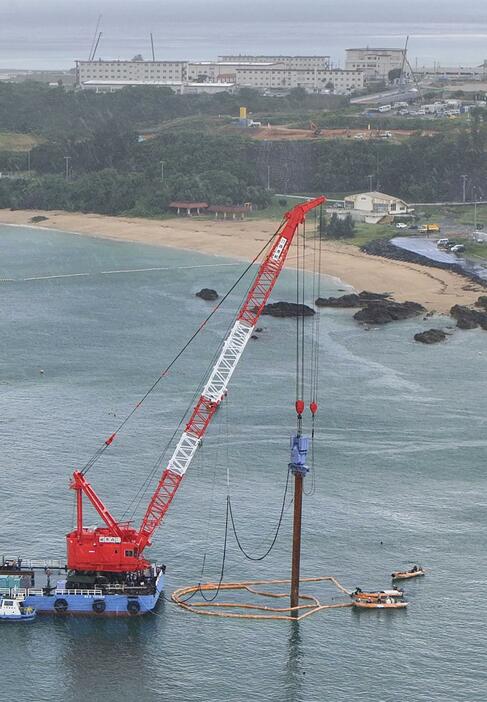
{"x": 118, "y": 546}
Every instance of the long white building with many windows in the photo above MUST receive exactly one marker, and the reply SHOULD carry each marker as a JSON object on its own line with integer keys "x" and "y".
{"x": 297, "y": 62}
{"x": 136, "y": 71}
{"x": 278, "y": 73}
{"x": 313, "y": 80}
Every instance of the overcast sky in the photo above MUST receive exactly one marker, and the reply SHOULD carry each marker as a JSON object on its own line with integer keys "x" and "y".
{"x": 56, "y": 11}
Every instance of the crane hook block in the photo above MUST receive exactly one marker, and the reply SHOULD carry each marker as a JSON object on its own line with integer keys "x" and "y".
{"x": 299, "y": 453}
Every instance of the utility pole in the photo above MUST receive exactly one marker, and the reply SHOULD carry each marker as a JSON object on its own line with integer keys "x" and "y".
{"x": 464, "y": 179}
{"x": 28, "y": 161}
{"x": 162, "y": 171}
{"x": 371, "y": 178}
{"x": 67, "y": 159}
{"x": 268, "y": 177}
{"x": 475, "y": 209}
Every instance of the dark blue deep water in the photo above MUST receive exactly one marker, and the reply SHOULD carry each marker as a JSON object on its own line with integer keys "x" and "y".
{"x": 400, "y": 478}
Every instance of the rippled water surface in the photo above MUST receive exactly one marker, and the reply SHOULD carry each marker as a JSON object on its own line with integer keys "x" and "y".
{"x": 400, "y": 478}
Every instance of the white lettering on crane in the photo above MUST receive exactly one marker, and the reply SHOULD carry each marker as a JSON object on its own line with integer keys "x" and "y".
{"x": 110, "y": 540}
{"x": 279, "y": 248}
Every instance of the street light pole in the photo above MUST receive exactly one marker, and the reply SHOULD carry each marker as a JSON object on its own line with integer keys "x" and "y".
{"x": 268, "y": 177}
{"x": 475, "y": 209}
{"x": 162, "y": 171}
{"x": 371, "y": 178}
{"x": 28, "y": 161}
{"x": 67, "y": 159}
{"x": 464, "y": 179}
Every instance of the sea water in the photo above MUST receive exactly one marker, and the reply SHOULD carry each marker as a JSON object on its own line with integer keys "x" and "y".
{"x": 63, "y": 39}
{"x": 399, "y": 478}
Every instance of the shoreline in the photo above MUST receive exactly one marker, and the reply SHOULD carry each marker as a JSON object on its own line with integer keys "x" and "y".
{"x": 438, "y": 290}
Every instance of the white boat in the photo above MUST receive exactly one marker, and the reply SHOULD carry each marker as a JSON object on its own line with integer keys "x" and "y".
{"x": 13, "y": 610}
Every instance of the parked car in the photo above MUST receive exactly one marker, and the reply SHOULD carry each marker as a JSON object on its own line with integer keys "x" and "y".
{"x": 441, "y": 243}
{"x": 413, "y": 226}
{"x": 458, "y": 248}
{"x": 401, "y": 225}
{"x": 450, "y": 245}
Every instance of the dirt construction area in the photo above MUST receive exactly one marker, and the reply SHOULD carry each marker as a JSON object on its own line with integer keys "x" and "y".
{"x": 288, "y": 134}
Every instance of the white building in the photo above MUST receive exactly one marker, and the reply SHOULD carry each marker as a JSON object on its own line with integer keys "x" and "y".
{"x": 452, "y": 73}
{"x": 313, "y": 80}
{"x": 376, "y": 207}
{"x": 375, "y": 63}
{"x": 224, "y": 70}
{"x": 297, "y": 62}
{"x": 179, "y": 87}
{"x": 130, "y": 71}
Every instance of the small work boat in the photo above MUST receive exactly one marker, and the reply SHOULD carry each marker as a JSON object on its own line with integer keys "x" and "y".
{"x": 415, "y": 572}
{"x": 395, "y": 593}
{"x": 380, "y": 603}
{"x": 13, "y": 610}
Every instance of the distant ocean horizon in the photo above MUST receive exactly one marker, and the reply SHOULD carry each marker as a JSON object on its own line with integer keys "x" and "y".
{"x": 58, "y": 47}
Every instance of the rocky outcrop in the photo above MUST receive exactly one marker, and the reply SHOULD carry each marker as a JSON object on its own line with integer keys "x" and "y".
{"x": 386, "y": 249}
{"x": 482, "y": 302}
{"x": 287, "y": 309}
{"x": 468, "y": 318}
{"x": 207, "y": 294}
{"x": 351, "y": 299}
{"x": 431, "y": 336}
{"x": 385, "y": 311}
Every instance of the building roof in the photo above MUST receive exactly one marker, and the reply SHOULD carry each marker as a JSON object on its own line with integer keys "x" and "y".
{"x": 228, "y": 208}
{"x": 375, "y": 195}
{"x": 169, "y": 83}
{"x": 374, "y": 48}
{"x": 189, "y": 205}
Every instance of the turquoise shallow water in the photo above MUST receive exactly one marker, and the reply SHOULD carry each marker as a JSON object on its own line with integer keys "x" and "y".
{"x": 400, "y": 478}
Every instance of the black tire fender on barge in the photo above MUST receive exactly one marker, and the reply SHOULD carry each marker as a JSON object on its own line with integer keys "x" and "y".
{"x": 61, "y": 605}
{"x": 99, "y": 606}
{"x": 133, "y": 606}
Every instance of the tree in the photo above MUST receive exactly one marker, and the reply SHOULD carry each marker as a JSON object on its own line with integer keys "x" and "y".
{"x": 394, "y": 74}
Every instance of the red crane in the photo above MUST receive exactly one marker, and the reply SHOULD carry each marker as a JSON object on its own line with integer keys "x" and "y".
{"x": 118, "y": 547}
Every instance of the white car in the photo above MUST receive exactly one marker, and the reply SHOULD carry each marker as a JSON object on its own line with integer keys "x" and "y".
{"x": 442, "y": 242}
{"x": 401, "y": 225}
{"x": 458, "y": 248}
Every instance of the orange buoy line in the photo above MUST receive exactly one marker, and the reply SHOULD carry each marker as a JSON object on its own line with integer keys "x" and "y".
{"x": 312, "y": 604}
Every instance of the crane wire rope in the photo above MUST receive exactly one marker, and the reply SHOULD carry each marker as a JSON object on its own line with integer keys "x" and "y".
{"x": 99, "y": 452}
{"x": 144, "y": 488}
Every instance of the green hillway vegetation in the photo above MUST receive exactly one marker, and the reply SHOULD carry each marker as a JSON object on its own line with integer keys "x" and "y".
{"x": 112, "y": 172}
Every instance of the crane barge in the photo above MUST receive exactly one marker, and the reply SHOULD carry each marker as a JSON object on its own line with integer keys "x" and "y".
{"x": 107, "y": 572}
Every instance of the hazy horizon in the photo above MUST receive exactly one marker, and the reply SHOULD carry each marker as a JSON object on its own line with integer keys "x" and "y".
{"x": 58, "y": 11}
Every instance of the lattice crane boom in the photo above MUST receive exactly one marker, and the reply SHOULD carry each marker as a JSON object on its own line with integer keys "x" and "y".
{"x": 118, "y": 547}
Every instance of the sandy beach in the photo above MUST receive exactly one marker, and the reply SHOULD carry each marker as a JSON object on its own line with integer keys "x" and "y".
{"x": 436, "y": 289}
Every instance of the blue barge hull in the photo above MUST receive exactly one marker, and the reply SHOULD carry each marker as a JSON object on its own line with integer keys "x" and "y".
{"x": 93, "y": 602}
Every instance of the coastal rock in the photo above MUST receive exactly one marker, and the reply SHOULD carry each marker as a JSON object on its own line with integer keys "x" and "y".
{"x": 431, "y": 336}
{"x": 287, "y": 309}
{"x": 38, "y": 218}
{"x": 366, "y": 295}
{"x": 468, "y": 318}
{"x": 351, "y": 299}
{"x": 386, "y": 249}
{"x": 482, "y": 302}
{"x": 385, "y": 311}
{"x": 207, "y": 294}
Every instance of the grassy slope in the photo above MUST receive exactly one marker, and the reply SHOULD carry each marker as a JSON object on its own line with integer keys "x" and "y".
{"x": 11, "y": 141}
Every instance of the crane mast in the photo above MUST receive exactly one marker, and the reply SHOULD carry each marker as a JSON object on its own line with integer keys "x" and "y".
{"x": 118, "y": 547}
